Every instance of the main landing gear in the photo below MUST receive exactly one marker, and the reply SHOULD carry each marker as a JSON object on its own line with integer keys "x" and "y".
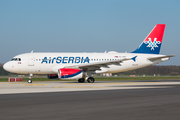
{"x": 30, "y": 77}
{"x": 89, "y": 80}
{"x": 81, "y": 80}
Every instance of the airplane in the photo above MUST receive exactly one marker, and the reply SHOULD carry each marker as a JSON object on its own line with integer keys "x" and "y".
{"x": 81, "y": 66}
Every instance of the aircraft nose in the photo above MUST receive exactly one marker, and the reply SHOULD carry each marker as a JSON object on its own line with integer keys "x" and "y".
{"x": 6, "y": 66}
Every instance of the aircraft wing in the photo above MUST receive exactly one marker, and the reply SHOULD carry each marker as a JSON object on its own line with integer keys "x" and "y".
{"x": 96, "y": 65}
{"x": 160, "y": 57}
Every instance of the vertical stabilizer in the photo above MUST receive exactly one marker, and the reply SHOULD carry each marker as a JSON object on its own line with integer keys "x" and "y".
{"x": 152, "y": 43}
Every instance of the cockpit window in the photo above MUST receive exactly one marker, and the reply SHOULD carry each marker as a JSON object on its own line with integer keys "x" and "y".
{"x": 16, "y": 59}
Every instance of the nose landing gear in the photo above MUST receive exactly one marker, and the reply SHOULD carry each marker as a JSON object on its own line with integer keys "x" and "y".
{"x": 29, "y": 81}
{"x": 30, "y": 77}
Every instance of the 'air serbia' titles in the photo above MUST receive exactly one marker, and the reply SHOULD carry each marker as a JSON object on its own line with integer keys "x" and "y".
{"x": 65, "y": 60}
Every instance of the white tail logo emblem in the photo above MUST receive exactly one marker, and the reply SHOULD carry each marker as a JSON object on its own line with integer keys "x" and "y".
{"x": 152, "y": 44}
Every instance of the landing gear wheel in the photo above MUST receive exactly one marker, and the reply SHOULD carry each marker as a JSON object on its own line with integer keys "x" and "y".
{"x": 29, "y": 81}
{"x": 81, "y": 80}
{"x": 90, "y": 80}
{"x": 30, "y": 77}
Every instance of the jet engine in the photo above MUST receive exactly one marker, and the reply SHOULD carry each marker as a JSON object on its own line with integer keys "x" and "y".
{"x": 70, "y": 73}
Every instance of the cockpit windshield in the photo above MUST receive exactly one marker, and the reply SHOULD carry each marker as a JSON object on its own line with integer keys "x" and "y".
{"x": 16, "y": 59}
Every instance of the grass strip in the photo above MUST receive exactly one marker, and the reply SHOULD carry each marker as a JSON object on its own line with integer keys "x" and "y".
{"x": 102, "y": 78}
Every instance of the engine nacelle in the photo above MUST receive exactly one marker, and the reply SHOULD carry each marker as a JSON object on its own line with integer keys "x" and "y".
{"x": 70, "y": 73}
{"x": 52, "y": 76}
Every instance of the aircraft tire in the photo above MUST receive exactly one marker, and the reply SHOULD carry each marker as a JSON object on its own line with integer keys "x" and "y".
{"x": 90, "y": 80}
{"x": 29, "y": 81}
{"x": 81, "y": 80}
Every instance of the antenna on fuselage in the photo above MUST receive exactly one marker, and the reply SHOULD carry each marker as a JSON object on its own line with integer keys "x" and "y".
{"x": 32, "y": 51}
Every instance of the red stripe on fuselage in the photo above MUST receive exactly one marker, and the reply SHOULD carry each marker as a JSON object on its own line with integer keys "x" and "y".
{"x": 69, "y": 71}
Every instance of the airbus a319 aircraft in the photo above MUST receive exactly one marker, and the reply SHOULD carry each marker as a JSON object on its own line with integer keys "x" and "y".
{"x": 81, "y": 66}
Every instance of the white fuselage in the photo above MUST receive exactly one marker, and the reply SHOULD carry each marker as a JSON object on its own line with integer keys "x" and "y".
{"x": 83, "y": 65}
{"x": 49, "y": 63}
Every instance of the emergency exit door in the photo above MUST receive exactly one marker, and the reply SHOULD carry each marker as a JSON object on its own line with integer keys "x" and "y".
{"x": 30, "y": 60}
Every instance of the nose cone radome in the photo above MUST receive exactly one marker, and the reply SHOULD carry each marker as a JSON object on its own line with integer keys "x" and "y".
{"x": 6, "y": 66}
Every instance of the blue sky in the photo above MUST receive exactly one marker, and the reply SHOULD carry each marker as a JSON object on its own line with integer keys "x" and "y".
{"x": 86, "y": 26}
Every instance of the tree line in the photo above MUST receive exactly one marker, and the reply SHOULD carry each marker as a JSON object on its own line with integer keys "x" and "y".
{"x": 154, "y": 70}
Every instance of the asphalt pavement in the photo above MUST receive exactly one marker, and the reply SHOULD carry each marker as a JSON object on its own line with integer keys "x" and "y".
{"x": 161, "y": 103}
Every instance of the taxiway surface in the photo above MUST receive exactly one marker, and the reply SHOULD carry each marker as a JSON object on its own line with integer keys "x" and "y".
{"x": 103, "y": 100}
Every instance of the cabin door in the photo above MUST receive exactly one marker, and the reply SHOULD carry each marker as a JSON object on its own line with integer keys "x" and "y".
{"x": 30, "y": 60}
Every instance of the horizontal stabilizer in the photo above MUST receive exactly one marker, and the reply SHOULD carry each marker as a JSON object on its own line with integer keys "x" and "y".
{"x": 156, "y": 58}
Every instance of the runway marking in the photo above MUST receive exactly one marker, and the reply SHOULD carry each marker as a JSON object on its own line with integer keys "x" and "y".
{"x": 12, "y": 83}
{"x": 117, "y": 83}
{"x": 34, "y": 84}
{"x": 23, "y": 87}
{"x": 80, "y": 87}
